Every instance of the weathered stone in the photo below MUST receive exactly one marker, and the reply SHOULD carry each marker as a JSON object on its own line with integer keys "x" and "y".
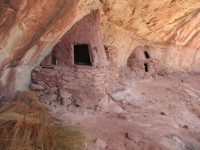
{"x": 84, "y": 75}
{"x": 67, "y": 87}
{"x": 66, "y": 101}
{"x": 99, "y": 94}
{"x": 72, "y": 109}
{"x": 82, "y": 110}
{"x": 85, "y": 80}
{"x": 100, "y": 83}
{"x": 37, "y": 69}
{"x": 128, "y": 107}
{"x": 57, "y": 105}
{"x": 53, "y": 79}
{"x": 113, "y": 147}
{"x": 47, "y": 71}
{"x": 52, "y": 84}
{"x": 133, "y": 137}
{"x": 87, "y": 97}
{"x": 42, "y": 83}
{"x": 70, "y": 83}
{"x": 99, "y": 74}
{"x": 36, "y": 87}
{"x": 51, "y": 90}
{"x": 64, "y": 94}
{"x": 69, "y": 74}
{"x": 52, "y": 73}
{"x": 98, "y": 79}
{"x": 104, "y": 103}
{"x": 67, "y": 69}
{"x": 48, "y": 97}
{"x": 91, "y": 111}
{"x": 91, "y": 148}
{"x": 100, "y": 143}
{"x": 38, "y": 77}
{"x": 57, "y": 68}
{"x": 66, "y": 78}
{"x": 124, "y": 116}
{"x": 86, "y": 84}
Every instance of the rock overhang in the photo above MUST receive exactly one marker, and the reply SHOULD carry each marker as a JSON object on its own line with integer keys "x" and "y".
{"x": 29, "y": 30}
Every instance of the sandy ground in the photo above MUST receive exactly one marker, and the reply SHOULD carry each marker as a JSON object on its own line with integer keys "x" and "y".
{"x": 153, "y": 114}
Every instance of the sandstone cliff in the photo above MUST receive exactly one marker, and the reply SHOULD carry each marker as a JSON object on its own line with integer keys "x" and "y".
{"x": 30, "y": 29}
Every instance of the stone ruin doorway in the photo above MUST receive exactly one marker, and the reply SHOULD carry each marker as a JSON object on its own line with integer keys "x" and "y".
{"x": 82, "y": 55}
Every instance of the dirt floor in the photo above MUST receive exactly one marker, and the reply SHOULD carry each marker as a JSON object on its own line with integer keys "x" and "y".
{"x": 161, "y": 113}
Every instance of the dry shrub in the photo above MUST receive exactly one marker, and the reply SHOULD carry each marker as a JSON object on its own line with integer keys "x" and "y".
{"x": 25, "y": 125}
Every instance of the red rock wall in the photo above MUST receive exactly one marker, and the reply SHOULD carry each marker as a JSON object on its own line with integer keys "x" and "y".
{"x": 30, "y": 29}
{"x": 127, "y": 24}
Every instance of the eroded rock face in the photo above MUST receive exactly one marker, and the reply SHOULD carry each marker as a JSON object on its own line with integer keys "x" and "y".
{"x": 128, "y": 24}
{"x": 30, "y": 29}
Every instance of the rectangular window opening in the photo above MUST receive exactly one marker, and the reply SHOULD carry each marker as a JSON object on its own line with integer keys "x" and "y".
{"x": 146, "y": 54}
{"x": 82, "y": 55}
{"x": 146, "y": 67}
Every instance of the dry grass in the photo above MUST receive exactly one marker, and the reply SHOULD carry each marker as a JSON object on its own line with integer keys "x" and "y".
{"x": 25, "y": 125}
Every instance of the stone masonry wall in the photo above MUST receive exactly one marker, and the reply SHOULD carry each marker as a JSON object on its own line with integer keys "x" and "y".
{"x": 58, "y": 79}
{"x": 86, "y": 31}
{"x": 81, "y": 87}
{"x": 141, "y": 65}
{"x": 85, "y": 87}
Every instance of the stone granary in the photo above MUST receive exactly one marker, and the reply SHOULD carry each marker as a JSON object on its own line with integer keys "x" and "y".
{"x": 143, "y": 61}
{"x": 76, "y": 72}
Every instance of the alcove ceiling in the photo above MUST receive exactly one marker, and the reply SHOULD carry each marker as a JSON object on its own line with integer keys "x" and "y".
{"x": 30, "y": 29}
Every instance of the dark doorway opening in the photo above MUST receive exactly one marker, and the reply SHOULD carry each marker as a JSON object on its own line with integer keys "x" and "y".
{"x": 53, "y": 59}
{"x": 146, "y": 54}
{"x": 82, "y": 55}
{"x": 146, "y": 67}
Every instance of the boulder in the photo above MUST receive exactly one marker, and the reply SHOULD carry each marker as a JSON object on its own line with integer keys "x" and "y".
{"x": 100, "y": 143}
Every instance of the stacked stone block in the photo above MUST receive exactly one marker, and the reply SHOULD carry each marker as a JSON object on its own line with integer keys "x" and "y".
{"x": 65, "y": 85}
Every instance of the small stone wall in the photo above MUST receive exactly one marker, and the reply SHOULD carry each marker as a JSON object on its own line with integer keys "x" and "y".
{"x": 74, "y": 86}
{"x": 82, "y": 87}
{"x": 143, "y": 65}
